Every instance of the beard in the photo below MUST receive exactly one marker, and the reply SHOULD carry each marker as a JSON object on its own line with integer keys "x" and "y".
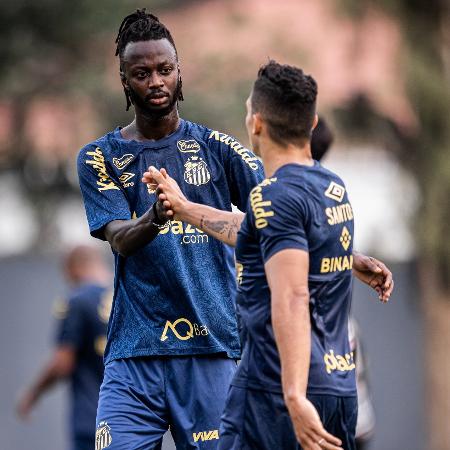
{"x": 151, "y": 112}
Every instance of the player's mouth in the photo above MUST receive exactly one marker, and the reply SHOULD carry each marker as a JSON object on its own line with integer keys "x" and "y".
{"x": 157, "y": 98}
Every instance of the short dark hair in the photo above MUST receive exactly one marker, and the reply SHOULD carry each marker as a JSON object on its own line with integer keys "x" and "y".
{"x": 321, "y": 139}
{"x": 286, "y": 99}
{"x": 141, "y": 26}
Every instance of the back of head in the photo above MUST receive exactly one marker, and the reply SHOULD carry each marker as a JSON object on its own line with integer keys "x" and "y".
{"x": 321, "y": 140}
{"x": 286, "y": 100}
{"x": 81, "y": 262}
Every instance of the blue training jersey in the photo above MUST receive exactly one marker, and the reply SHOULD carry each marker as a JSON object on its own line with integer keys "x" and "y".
{"x": 175, "y": 296}
{"x": 305, "y": 208}
{"x": 82, "y": 326}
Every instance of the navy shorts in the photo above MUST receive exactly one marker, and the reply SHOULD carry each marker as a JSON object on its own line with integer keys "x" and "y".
{"x": 83, "y": 442}
{"x": 140, "y": 398}
{"x": 259, "y": 420}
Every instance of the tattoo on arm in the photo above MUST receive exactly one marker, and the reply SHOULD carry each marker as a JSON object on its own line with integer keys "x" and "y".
{"x": 220, "y": 226}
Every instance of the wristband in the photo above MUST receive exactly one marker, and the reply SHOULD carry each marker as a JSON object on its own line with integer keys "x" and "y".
{"x": 156, "y": 221}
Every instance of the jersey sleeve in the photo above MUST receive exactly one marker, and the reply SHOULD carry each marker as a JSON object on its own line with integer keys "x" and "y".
{"x": 71, "y": 326}
{"x": 278, "y": 219}
{"x": 243, "y": 169}
{"x": 104, "y": 201}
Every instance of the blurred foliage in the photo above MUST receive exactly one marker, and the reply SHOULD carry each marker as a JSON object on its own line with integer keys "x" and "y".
{"x": 426, "y": 153}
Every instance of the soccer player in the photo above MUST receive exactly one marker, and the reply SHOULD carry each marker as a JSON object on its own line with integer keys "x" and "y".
{"x": 80, "y": 343}
{"x": 296, "y": 381}
{"x": 172, "y": 337}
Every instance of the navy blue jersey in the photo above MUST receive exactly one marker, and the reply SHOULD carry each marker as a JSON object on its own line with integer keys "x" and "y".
{"x": 305, "y": 208}
{"x": 175, "y": 296}
{"x": 82, "y": 326}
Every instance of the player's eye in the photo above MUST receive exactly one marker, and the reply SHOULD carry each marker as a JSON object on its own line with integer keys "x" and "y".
{"x": 141, "y": 75}
{"x": 166, "y": 70}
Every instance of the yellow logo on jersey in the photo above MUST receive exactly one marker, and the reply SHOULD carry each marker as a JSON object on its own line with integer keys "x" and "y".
{"x": 339, "y": 214}
{"x": 98, "y": 163}
{"x": 345, "y": 238}
{"x": 337, "y": 362}
{"x": 239, "y": 270}
{"x": 258, "y": 204}
{"x": 336, "y": 264}
{"x": 335, "y": 191}
{"x": 246, "y": 155}
{"x": 205, "y": 435}
{"x": 189, "y": 331}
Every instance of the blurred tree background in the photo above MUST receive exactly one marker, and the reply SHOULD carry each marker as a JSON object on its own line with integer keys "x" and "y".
{"x": 60, "y": 89}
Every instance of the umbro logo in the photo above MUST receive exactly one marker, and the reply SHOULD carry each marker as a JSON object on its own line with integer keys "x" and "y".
{"x": 335, "y": 192}
{"x": 125, "y": 179}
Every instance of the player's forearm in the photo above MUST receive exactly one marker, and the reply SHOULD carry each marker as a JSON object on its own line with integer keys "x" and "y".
{"x": 292, "y": 329}
{"x": 50, "y": 376}
{"x": 128, "y": 236}
{"x": 222, "y": 225}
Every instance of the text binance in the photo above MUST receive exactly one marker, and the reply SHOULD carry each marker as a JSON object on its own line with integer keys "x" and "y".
{"x": 336, "y": 264}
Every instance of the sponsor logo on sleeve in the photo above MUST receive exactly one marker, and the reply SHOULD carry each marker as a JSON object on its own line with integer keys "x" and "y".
{"x": 247, "y": 156}
{"x": 123, "y": 161}
{"x": 260, "y": 207}
{"x": 335, "y": 192}
{"x": 190, "y": 146}
{"x": 97, "y": 161}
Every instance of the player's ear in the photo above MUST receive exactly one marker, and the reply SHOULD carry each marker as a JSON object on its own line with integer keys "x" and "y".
{"x": 123, "y": 78}
{"x": 315, "y": 122}
{"x": 257, "y": 123}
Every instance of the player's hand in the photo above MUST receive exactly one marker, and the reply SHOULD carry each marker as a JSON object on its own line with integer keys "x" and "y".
{"x": 374, "y": 273}
{"x": 168, "y": 191}
{"x": 308, "y": 428}
{"x": 24, "y": 406}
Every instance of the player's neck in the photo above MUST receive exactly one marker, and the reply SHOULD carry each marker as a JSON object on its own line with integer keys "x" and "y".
{"x": 275, "y": 156}
{"x": 147, "y": 128}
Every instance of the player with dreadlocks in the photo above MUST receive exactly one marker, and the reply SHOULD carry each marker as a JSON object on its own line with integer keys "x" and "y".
{"x": 172, "y": 335}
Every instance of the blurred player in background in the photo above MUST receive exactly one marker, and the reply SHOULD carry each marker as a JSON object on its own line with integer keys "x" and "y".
{"x": 322, "y": 138}
{"x": 80, "y": 343}
{"x": 294, "y": 259}
{"x": 172, "y": 337}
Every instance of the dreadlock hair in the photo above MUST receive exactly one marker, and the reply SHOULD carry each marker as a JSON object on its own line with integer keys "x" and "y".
{"x": 321, "y": 139}
{"x": 286, "y": 99}
{"x": 142, "y": 26}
